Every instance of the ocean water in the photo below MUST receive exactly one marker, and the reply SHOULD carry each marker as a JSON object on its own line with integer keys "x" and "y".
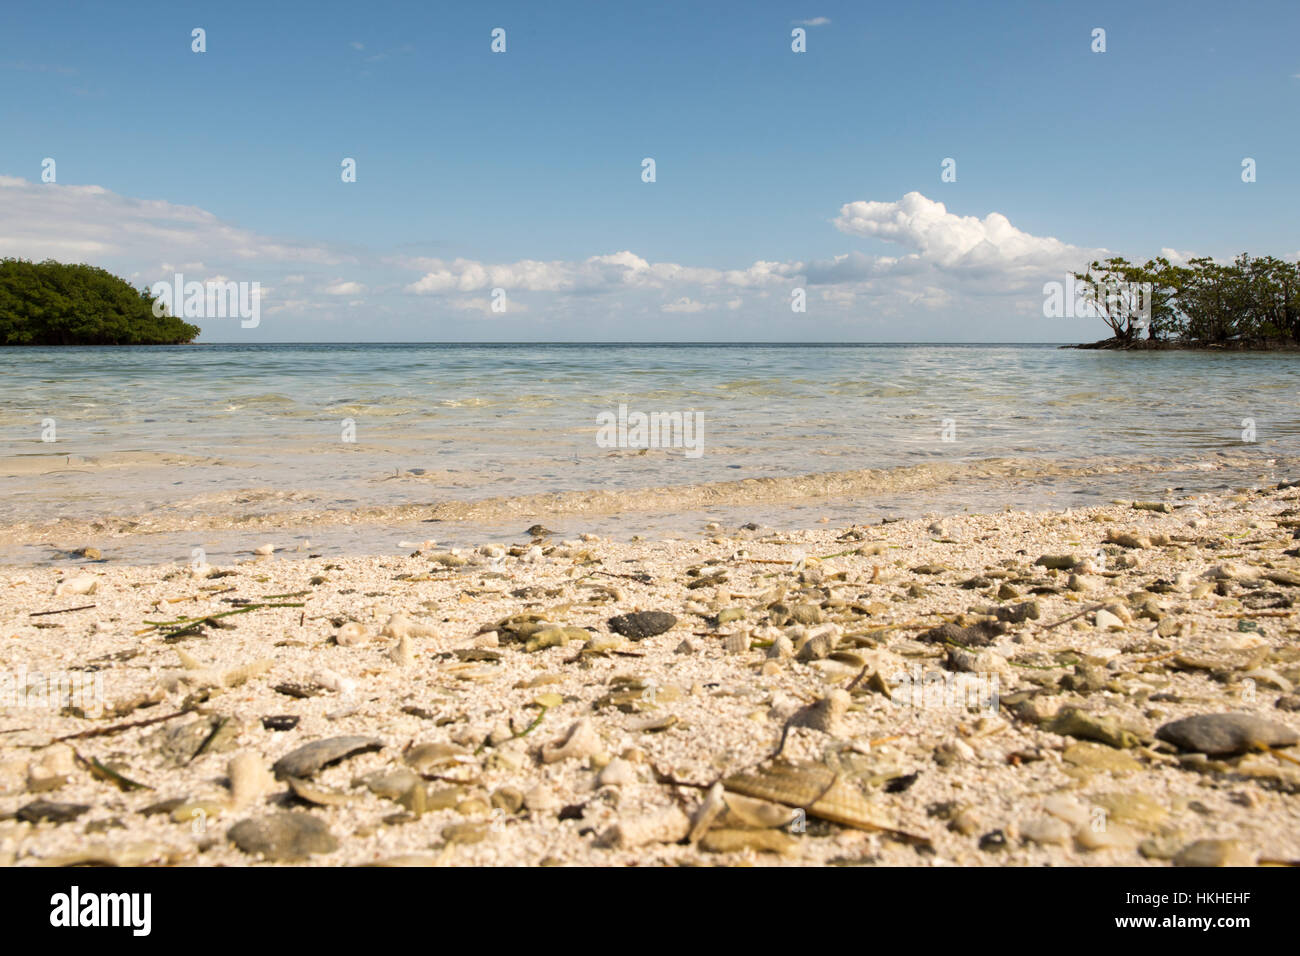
{"x": 193, "y": 443}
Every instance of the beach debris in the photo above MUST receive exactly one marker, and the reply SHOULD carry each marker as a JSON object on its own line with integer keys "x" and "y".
{"x": 669, "y": 825}
{"x": 285, "y": 837}
{"x": 437, "y": 756}
{"x": 1214, "y": 853}
{"x": 760, "y": 841}
{"x": 617, "y": 773}
{"x": 249, "y": 779}
{"x": 399, "y": 626}
{"x": 82, "y": 584}
{"x": 351, "y": 634}
{"x": 315, "y": 756}
{"x": 825, "y": 714}
{"x": 403, "y": 652}
{"x": 309, "y": 792}
{"x": 579, "y": 742}
{"x": 45, "y": 811}
{"x": 980, "y": 634}
{"x": 639, "y": 625}
{"x": 817, "y": 789}
{"x": 1226, "y": 734}
{"x": 1058, "y": 562}
{"x": 1080, "y": 724}
{"x": 183, "y": 743}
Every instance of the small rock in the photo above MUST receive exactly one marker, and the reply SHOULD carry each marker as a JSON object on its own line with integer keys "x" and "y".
{"x": 1073, "y": 722}
{"x": 43, "y": 811}
{"x": 1113, "y": 836}
{"x": 283, "y": 837}
{"x": 981, "y": 634}
{"x": 581, "y": 741}
{"x": 1105, "y": 620}
{"x": 82, "y": 584}
{"x": 951, "y": 752}
{"x": 509, "y": 799}
{"x": 1226, "y": 734}
{"x": 399, "y": 626}
{"x": 1214, "y": 853}
{"x": 662, "y": 826}
{"x": 403, "y": 652}
{"x": 782, "y": 648}
{"x": 617, "y": 773}
{"x": 1058, "y": 562}
{"x": 642, "y": 624}
{"x": 318, "y": 754}
{"x": 1098, "y": 757}
{"x": 540, "y": 799}
{"x": 466, "y": 833}
{"x": 825, "y": 714}
{"x": 1046, "y": 830}
{"x": 760, "y": 841}
{"x": 351, "y": 634}
{"x": 736, "y": 644}
{"x": 249, "y": 779}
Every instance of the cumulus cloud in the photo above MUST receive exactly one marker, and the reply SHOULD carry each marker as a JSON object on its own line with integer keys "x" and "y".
{"x": 938, "y": 258}
{"x": 950, "y": 241}
{"x": 814, "y": 22}
{"x": 619, "y": 270}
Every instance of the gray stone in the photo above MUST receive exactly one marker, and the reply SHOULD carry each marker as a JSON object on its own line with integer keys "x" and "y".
{"x": 981, "y": 634}
{"x": 642, "y": 624}
{"x": 43, "y": 811}
{"x": 1226, "y": 734}
{"x": 310, "y": 758}
{"x": 283, "y": 837}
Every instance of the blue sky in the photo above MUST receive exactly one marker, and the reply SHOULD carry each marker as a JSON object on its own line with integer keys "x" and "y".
{"x": 469, "y": 160}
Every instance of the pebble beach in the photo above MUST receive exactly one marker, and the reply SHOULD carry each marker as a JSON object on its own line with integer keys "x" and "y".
{"x": 1099, "y": 686}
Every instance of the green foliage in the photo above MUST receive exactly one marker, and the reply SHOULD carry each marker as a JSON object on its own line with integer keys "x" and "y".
{"x": 1251, "y": 300}
{"x": 52, "y": 303}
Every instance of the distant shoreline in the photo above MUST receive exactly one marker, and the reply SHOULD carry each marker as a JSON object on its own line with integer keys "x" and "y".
{"x": 1161, "y": 345}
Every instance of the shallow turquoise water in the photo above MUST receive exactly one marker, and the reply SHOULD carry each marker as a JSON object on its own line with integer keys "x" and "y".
{"x": 264, "y": 426}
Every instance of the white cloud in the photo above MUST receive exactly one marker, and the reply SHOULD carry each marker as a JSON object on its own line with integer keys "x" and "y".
{"x": 938, "y": 258}
{"x": 1177, "y": 258}
{"x": 684, "y": 304}
{"x": 950, "y": 241}
{"x": 814, "y": 22}
{"x": 39, "y": 220}
{"x": 484, "y": 305}
{"x": 619, "y": 270}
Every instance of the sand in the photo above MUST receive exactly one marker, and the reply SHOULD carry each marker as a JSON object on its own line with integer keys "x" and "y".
{"x": 987, "y": 773}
